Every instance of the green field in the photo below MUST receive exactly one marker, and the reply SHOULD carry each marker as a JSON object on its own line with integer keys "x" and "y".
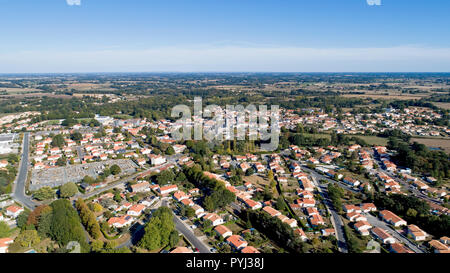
{"x": 373, "y": 140}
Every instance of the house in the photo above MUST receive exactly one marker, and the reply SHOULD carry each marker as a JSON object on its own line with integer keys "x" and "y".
{"x": 273, "y": 212}
{"x": 307, "y": 184}
{"x": 382, "y": 235}
{"x": 367, "y": 207}
{"x": 136, "y": 210}
{"x": 3, "y": 163}
{"x": 304, "y": 194}
{"x": 141, "y": 161}
{"x": 179, "y": 148}
{"x": 352, "y": 208}
{"x": 119, "y": 222}
{"x": 316, "y": 220}
{"x": 301, "y": 233}
{"x": 392, "y": 218}
{"x": 328, "y": 232}
{"x": 438, "y": 247}
{"x": 291, "y": 222}
{"x": 237, "y": 242}
{"x": 4, "y": 243}
{"x": 350, "y": 181}
{"x": 416, "y": 233}
{"x": 445, "y": 240}
{"x": 306, "y": 202}
{"x": 249, "y": 250}
{"x": 214, "y": 218}
{"x": 168, "y": 189}
{"x": 187, "y": 202}
{"x": 223, "y": 231}
{"x": 244, "y": 166}
{"x": 252, "y": 204}
{"x": 399, "y": 248}
{"x": 182, "y": 249}
{"x": 157, "y": 159}
{"x": 194, "y": 191}
{"x": 311, "y": 211}
{"x": 362, "y": 227}
{"x": 282, "y": 179}
{"x": 355, "y": 217}
{"x": 199, "y": 211}
{"x": 14, "y": 211}
{"x": 180, "y": 196}
{"x": 140, "y": 187}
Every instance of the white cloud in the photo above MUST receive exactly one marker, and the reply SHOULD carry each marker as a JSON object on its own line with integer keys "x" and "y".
{"x": 232, "y": 58}
{"x": 73, "y": 2}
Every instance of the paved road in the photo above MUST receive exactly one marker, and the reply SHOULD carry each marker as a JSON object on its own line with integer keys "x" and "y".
{"x": 374, "y": 221}
{"x": 335, "y": 218}
{"x": 19, "y": 188}
{"x": 188, "y": 234}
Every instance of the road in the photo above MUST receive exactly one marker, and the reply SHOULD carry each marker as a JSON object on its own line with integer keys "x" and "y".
{"x": 375, "y": 222}
{"x": 19, "y": 187}
{"x": 188, "y": 234}
{"x": 335, "y": 218}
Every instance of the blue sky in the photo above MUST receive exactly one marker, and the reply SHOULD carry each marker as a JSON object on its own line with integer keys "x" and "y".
{"x": 224, "y": 35}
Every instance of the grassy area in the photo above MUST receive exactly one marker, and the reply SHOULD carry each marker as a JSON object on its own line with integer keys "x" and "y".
{"x": 372, "y": 140}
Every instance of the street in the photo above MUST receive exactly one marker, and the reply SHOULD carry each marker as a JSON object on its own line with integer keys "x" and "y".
{"x": 188, "y": 234}
{"x": 375, "y": 222}
{"x": 19, "y": 187}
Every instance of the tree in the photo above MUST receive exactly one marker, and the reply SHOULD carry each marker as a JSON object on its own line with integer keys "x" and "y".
{"x": 44, "y": 193}
{"x": 58, "y": 141}
{"x": 62, "y": 161}
{"x": 65, "y": 223}
{"x": 33, "y": 218}
{"x": 4, "y": 230}
{"x": 115, "y": 169}
{"x": 28, "y": 238}
{"x": 170, "y": 151}
{"x": 68, "y": 190}
{"x": 88, "y": 180}
{"x": 158, "y": 230}
{"x": 22, "y": 219}
{"x": 76, "y": 136}
{"x": 97, "y": 245}
{"x": 165, "y": 177}
{"x": 173, "y": 238}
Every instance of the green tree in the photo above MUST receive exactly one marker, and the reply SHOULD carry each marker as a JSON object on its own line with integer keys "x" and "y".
{"x": 58, "y": 141}
{"x": 44, "y": 193}
{"x": 4, "y": 230}
{"x": 115, "y": 169}
{"x": 68, "y": 190}
{"x": 97, "y": 245}
{"x": 28, "y": 238}
{"x": 65, "y": 223}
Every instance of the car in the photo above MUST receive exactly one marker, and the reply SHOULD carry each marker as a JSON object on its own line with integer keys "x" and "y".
{"x": 193, "y": 226}
{"x": 213, "y": 250}
{"x": 196, "y": 250}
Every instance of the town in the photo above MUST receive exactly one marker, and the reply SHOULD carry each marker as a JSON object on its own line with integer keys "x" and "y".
{"x": 350, "y": 181}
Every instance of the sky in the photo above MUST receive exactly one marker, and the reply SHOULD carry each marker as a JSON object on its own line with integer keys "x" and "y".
{"x": 68, "y": 36}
